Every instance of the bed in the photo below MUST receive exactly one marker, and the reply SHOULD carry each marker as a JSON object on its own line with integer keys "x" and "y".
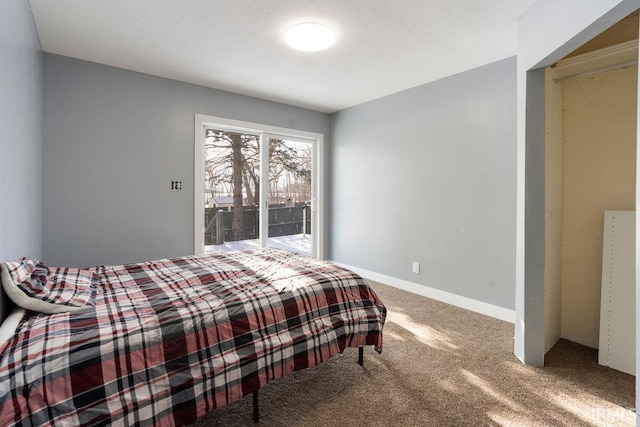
{"x": 164, "y": 342}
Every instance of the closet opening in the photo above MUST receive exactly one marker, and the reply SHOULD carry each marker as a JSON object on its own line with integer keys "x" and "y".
{"x": 590, "y": 193}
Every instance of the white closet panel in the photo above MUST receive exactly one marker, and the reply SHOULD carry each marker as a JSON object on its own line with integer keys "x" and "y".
{"x": 617, "y": 304}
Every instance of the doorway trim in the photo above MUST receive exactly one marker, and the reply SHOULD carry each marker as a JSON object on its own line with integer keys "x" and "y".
{"x": 529, "y": 304}
{"x": 203, "y": 121}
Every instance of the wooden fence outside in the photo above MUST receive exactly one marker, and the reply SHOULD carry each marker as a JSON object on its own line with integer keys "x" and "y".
{"x": 283, "y": 221}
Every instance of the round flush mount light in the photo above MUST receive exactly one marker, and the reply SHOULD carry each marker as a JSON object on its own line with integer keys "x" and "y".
{"x": 309, "y": 37}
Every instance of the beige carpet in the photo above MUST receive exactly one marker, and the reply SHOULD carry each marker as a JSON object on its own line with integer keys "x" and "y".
{"x": 443, "y": 366}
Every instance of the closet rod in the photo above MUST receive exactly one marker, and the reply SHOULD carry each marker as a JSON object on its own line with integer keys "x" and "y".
{"x": 596, "y": 71}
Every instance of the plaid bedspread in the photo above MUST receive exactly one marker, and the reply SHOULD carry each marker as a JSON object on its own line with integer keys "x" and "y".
{"x": 170, "y": 340}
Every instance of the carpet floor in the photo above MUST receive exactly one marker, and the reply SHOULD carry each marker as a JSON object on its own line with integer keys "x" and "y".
{"x": 442, "y": 366}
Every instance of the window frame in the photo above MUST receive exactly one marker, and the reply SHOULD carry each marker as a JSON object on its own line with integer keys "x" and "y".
{"x": 264, "y": 132}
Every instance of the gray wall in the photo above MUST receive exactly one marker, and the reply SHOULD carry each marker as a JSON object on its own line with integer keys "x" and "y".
{"x": 20, "y": 133}
{"x": 428, "y": 175}
{"x": 113, "y": 142}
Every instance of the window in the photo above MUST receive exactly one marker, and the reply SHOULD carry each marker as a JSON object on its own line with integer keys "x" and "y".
{"x": 256, "y": 186}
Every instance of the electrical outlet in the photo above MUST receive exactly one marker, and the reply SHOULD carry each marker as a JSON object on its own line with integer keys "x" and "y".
{"x": 416, "y": 267}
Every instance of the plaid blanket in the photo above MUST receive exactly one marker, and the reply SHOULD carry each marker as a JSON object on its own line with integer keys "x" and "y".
{"x": 170, "y": 340}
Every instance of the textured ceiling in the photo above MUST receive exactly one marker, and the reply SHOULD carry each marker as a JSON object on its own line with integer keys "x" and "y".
{"x": 382, "y": 47}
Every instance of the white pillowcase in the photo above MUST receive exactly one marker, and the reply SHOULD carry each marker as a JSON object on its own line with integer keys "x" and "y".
{"x": 8, "y": 328}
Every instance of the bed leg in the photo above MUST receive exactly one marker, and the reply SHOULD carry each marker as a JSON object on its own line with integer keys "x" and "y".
{"x": 361, "y": 356}
{"x": 256, "y": 411}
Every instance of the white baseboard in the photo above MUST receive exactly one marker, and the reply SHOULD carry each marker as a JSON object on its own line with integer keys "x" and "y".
{"x": 436, "y": 294}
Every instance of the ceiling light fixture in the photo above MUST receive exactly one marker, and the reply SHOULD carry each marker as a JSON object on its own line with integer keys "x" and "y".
{"x": 309, "y": 37}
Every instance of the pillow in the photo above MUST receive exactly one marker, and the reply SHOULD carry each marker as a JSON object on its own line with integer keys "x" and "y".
{"x": 8, "y": 327}
{"x": 21, "y": 270}
{"x": 31, "y": 285}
